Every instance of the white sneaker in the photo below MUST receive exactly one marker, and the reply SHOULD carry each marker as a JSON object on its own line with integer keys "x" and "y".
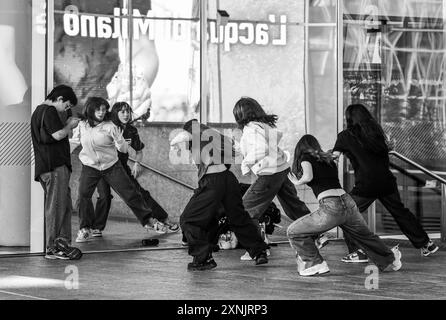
{"x": 396, "y": 264}
{"x": 320, "y": 268}
{"x": 96, "y": 233}
{"x": 157, "y": 226}
{"x": 83, "y": 235}
{"x": 247, "y": 257}
{"x": 300, "y": 264}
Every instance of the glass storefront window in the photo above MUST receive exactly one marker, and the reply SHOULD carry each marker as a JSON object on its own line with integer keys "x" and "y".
{"x": 148, "y": 58}
{"x": 285, "y": 54}
{"x": 321, "y": 72}
{"x": 259, "y": 55}
{"x": 394, "y": 63}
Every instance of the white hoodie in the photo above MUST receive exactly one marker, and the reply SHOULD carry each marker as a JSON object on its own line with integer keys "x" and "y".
{"x": 99, "y": 144}
{"x": 259, "y": 146}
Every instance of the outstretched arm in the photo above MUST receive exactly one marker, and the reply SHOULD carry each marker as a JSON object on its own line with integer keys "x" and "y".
{"x": 307, "y": 175}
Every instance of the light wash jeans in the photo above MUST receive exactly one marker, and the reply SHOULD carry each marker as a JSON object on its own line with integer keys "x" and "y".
{"x": 58, "y": 205}
{"x": 336, "y": 211}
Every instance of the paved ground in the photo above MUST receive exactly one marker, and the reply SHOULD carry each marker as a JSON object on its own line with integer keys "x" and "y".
{"x": 160, "y": 273}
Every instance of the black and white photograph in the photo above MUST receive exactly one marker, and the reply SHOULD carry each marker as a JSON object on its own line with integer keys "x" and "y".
{"x": 223, "y": 155}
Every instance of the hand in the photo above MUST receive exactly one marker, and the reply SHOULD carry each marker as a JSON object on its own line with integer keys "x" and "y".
{"x": 293, "y": 179}
{"x": 136, "y": 170}
{"x": 72, "y": 122}
{"x": 116, "y": 133}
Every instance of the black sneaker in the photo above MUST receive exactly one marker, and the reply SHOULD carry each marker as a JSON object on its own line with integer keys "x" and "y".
{"x": 171, "y": 226}
{"x": 261, "y": 258}
{"x": 52, "y": 254}
{"x": 72, "y": 253}
{"x": 207, "y": 265}
{"x": 358, "y": 256}
{"x": 429, "y": 248}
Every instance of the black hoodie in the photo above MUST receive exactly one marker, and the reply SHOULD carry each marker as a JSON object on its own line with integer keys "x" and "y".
{"x": 208, "y": 147}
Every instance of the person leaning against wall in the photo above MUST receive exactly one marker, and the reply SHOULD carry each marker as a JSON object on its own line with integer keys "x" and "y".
{"x": 53, "y": 166}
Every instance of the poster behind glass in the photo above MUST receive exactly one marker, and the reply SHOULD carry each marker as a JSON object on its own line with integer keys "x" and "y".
{"x": 150, "y": 61}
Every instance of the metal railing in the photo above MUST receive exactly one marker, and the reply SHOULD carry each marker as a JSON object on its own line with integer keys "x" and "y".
{"x": 443, "y": 189}
{"x": 165, "y": 175}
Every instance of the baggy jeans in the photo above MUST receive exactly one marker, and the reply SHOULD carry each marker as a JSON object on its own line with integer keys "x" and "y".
{"x": 336, "y": 211}
{"x": 58, "y": 205}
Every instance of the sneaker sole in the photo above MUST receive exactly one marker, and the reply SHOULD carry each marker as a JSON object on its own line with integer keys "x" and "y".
{"x": 268, "y": 253}
{"x": 315, "y": 274}
{"x": 430, "y": 252}
{"x": 202, "y": 268}
{"x": 261, "y": 262}
{"x": 56, "y": 258}
{"x": 355, "y": 261}
{"x": 62, "y": 258}
{"x": 83, "y": 240}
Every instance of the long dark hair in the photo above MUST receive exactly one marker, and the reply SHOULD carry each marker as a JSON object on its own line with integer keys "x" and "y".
{"x": 366, "y": 130}
{"x": 119, "y": 106}
{"x": 308, "y": 145}
{"x": 91, "y": 105}
{"x": 248, "y": 109}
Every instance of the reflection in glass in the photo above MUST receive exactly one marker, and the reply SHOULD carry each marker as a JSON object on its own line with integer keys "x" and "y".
{"x": 263, "y": 60}
{"x": 394, "y": 64}
{"x": 321, "y": 69}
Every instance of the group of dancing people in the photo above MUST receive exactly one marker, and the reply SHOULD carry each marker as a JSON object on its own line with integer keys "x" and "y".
{"x": 105, "y": 136}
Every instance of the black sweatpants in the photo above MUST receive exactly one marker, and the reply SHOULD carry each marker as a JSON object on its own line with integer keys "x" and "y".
{"x": 116, "y": 177}
{"x": 199, "y": 219}
{"x": 405, "y": 219}
{"x": 103, "y": 202}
